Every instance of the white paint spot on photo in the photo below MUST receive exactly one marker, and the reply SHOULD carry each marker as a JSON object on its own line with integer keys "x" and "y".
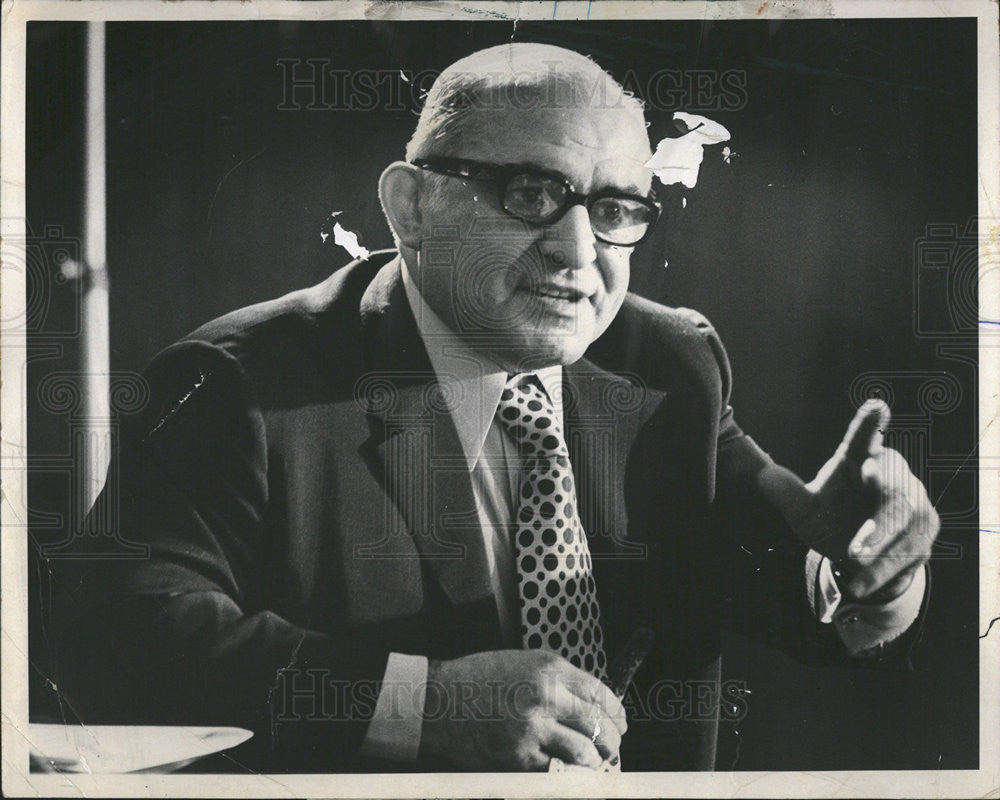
{"x": 678, "y": 160}
{"x": 349, "y": 241}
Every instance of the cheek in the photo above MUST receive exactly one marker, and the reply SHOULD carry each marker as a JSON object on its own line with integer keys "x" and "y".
{"x": 495, "y": 267}
{"x": 491, "y": 274}
{"x": 614, "y": 265}
{"x": 437, "y": 291}
{"x": 483, "y": 284}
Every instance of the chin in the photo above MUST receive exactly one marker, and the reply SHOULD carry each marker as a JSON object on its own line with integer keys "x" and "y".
{"x": 539, "y": 352}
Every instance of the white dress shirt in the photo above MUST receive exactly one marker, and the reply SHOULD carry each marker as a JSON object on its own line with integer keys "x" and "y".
{"x": 473, "y": 385}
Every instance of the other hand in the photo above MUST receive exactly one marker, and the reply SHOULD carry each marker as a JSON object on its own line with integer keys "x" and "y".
{"x": 516, "y": 710}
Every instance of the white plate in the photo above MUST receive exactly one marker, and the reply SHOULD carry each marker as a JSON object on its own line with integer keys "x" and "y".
{"x": 125, "y": 748}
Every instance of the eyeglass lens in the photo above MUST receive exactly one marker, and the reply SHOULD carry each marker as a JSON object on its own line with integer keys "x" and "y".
{"x": 536, "y": 198}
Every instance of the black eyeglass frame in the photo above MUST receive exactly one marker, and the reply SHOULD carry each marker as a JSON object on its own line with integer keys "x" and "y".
{"x": 501, "y": 176}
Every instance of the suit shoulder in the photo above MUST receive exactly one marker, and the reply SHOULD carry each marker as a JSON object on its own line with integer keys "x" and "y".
{"x": 668, "y": 321}
{"x": 663, "y": 345}
{"x": 287, "y": 341}
{"x": 298, "y": 312}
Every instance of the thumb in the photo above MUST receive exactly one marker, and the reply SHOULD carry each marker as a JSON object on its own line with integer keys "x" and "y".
{"x": 864, "y": 435}
{"x": 787, "y": 493}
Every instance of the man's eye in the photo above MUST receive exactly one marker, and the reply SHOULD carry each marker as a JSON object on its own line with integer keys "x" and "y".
{"x": 527, "y": 196}
{"x": 610, "y": 211}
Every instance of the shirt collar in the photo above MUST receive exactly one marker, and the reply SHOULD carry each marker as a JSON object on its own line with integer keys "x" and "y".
{"x": 473, "y": 383}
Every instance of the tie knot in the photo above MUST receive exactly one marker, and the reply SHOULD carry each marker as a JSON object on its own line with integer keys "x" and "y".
{"x": 528, "y": 415}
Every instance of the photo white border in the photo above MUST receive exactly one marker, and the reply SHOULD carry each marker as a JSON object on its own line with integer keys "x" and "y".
{"x": 17, "y": 781}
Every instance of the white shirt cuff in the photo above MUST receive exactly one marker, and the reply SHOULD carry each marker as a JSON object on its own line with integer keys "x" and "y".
{"x": 394, "y": 729}
{"x": 861, "y": 626}
{"x": 827, "y": 593}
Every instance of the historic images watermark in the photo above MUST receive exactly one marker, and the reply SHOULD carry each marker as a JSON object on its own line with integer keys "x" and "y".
{"x": 314, "y": 695}
{"x": 315, "y": 84}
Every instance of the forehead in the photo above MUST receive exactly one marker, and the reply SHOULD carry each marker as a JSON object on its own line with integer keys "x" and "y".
{"x": 593, "y": 147}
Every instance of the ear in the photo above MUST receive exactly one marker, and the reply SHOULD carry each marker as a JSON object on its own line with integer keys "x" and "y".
{"x": 399, "y": 191}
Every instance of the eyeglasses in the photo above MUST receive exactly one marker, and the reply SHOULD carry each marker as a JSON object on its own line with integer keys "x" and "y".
{"x": 541, "y": 197}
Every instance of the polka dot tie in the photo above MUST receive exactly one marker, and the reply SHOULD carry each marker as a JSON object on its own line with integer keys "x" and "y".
{"x": 555, "y": 582}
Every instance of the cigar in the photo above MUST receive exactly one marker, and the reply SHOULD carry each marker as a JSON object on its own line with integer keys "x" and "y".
{"x": 622, "y": 671}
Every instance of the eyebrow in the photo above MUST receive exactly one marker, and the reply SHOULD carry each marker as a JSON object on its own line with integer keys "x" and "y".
{"x": 630, "y": 188}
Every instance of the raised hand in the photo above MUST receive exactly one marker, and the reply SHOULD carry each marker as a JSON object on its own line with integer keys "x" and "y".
{"x": 865, "y": 510}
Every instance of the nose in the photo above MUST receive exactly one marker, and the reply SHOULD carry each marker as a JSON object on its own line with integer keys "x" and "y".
{"x": 569, "y": 243}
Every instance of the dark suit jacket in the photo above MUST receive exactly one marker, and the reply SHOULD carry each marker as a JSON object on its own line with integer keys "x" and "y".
{"x": 300, "y": 491}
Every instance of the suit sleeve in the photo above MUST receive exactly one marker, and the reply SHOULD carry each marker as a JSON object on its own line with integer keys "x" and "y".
{"x": 182, "y": 634}
{"x": 770, "y": 571}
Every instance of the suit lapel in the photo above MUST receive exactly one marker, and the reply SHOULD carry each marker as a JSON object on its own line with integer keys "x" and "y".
{"x": 414, "y": 450}
{"x": 603, "y": 414}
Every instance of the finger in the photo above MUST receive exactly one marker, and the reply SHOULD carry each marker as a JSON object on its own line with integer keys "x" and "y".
{"x": 874, "y": 571}
{"x": 888, "y": 472}
{"x": 873, "y": 562}
{"x": 606, "y": 738}
{"x": 586, "y": 718}
{"x": 535, "y": 761}
{"x": 898, "y": 538}
{"x": 864, "y": 435}
{"x": 571, "y": 746}
{"x": 600, "y": 731}
{"x": 597, "y": 695}
{"x": 901, "y": 506}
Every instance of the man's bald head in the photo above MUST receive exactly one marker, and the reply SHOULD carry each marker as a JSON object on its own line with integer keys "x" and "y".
{"x": 475, "y": 90}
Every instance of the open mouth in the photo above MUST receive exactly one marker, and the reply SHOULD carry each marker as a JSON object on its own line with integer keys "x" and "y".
{"x": 559, "y": 293}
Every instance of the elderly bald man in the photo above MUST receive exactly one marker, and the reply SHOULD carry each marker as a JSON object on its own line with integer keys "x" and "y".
{"x": 405, "y": 519}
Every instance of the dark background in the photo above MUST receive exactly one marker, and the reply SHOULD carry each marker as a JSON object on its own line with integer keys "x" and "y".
{"x": 852, "y": 137}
